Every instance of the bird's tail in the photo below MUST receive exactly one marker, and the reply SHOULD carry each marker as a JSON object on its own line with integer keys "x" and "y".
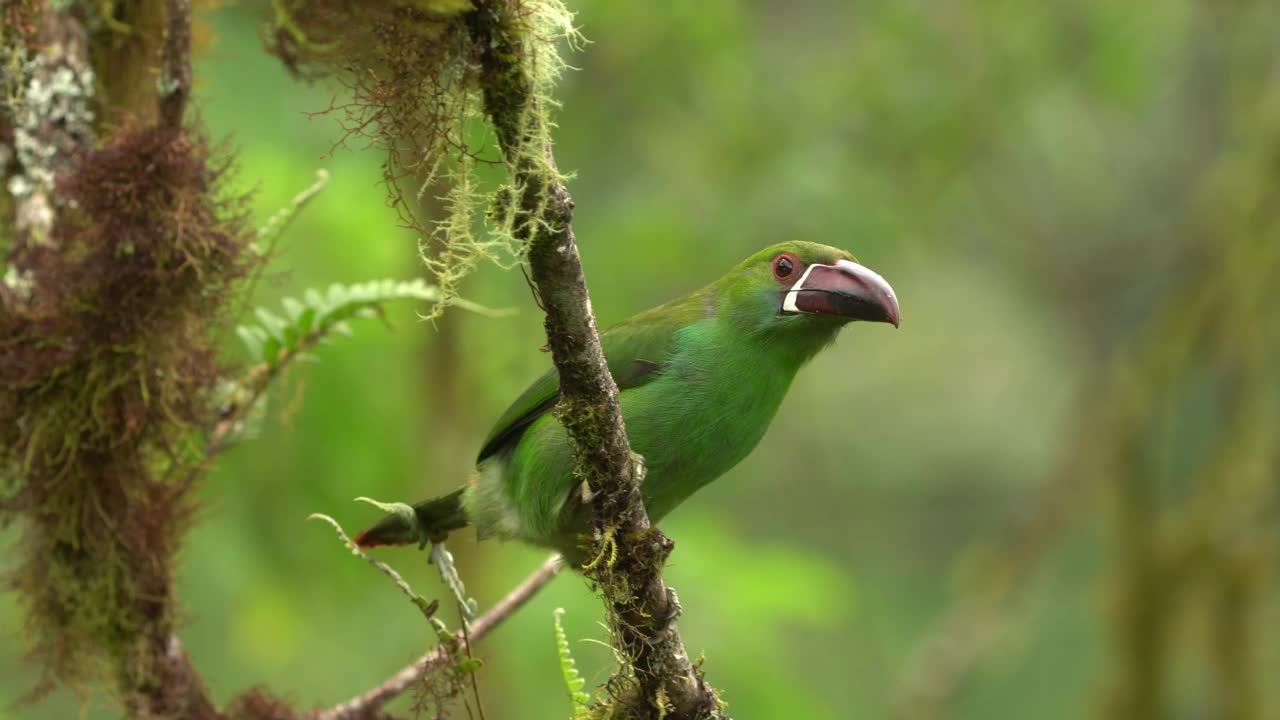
{"x": 434, "y": 519}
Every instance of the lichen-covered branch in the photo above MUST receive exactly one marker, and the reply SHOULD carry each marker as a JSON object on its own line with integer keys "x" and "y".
{"x": 48, "y": 108}
{"x": 642, "y": 610}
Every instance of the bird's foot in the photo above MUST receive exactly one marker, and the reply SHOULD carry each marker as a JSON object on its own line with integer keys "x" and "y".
{"x": 673, "y": 606}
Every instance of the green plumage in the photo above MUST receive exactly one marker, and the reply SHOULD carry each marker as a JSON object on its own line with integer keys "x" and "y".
{"x": 700, "y": 379}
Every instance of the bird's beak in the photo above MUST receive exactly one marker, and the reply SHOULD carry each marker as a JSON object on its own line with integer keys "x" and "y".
{"x": 846, "y": 289}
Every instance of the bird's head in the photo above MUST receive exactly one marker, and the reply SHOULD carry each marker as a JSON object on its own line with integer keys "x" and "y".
{"x": 807, "y": 287}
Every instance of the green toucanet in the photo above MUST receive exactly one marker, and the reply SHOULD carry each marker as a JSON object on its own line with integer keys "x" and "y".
{"x": 699, "y": 378}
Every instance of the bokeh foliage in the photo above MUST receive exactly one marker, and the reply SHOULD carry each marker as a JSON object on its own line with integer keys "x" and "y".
{"x": 1052, "y": 494}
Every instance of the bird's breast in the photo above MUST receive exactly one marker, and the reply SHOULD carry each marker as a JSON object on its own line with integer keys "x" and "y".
{"x": 698, "y": 420}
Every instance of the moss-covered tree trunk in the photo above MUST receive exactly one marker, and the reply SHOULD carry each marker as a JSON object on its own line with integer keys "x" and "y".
{"x": 121, "y": 253}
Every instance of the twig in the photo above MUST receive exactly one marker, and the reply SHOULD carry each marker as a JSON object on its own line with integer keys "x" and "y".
{"x": 466, "y": 644}
{"x": 428, "y": 608}
{"x": 366, "y": 704}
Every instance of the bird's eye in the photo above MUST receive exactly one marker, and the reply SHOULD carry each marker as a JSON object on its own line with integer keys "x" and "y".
{"x": 784, "y": 266}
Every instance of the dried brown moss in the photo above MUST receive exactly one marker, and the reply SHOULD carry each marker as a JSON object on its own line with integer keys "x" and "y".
{"x": 408, "y": 74}
{"x": 18, "y": 24}
{"x": 106, "y": 372}
{"x": 259, "y": 704}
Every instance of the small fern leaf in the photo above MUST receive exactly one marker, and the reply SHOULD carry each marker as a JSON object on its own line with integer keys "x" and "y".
{"x": 313, "y": 299}
{"x": 304, "y": 321}
{"x": 336, "y": 296}
{"x": 275, "y": 340}
{"x": 293, "y": 309}
{"x": 251, "y": 341}
{"x": 271, "y": 351}
{"x": 272, "y": 323}
{"x": 291, "y": 337}
{"x": 573, "y": 681}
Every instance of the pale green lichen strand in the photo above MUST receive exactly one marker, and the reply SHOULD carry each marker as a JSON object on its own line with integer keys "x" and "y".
{"x": 419, "y": 94}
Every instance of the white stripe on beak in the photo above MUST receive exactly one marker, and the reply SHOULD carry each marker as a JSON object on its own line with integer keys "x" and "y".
{"x": 789, "y": 303}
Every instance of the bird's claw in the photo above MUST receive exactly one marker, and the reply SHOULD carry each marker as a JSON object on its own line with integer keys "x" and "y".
{"x": 673, "y": 606}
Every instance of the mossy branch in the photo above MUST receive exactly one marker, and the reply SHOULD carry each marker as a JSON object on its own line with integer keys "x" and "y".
{"x": 127, "y": 255}
{"x": 661, "y": 680}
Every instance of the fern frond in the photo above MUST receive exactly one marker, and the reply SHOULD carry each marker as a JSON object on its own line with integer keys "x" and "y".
{"x": 573, "y": 681}
{"x": 275, "y": 339}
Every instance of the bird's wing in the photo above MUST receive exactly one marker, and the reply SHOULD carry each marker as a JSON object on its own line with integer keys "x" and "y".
{"x": 634, "y": 349}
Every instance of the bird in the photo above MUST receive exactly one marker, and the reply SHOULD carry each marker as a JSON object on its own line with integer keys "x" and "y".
{"x": 700, "y": 379}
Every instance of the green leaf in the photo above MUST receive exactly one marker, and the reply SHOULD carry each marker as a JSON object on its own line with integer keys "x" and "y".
{"x": 293, "y": 309}
{"x": 273, "y": 324}
{"x": 304, "y": 321}
{"x": 251, "y": 340}
{"x": 271, "y": 351}
{"x": 291, "y": 337}
{"x": 314, "y": 299}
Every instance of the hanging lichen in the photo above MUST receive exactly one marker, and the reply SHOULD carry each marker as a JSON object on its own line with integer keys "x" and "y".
{"x": 414, "y": 90}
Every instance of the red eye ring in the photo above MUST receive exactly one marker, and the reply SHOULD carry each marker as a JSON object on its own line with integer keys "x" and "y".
{"x": 785, "y": 267}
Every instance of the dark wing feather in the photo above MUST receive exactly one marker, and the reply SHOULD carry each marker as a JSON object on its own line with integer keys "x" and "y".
{"x": 634, "y": 350}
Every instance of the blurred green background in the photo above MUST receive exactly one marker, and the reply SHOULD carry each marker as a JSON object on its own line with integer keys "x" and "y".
{"x": 1051, "y": 494}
